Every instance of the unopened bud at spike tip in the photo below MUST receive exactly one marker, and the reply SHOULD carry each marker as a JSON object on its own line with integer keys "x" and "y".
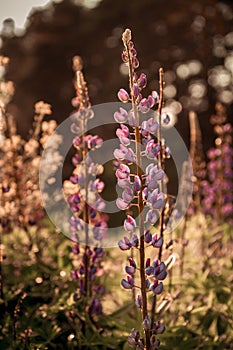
{"x": 126, "y": 36}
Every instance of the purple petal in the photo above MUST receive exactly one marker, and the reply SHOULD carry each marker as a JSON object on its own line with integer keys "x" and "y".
{"x": 123, "y": 95}
{"x": 121, "y": 204}
{"x": 123, "y": 246}
{"x": 130, "y": 270}
{"x": 125, "y": 284}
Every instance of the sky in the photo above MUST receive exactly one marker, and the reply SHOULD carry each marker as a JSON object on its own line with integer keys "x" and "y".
{"x": 18, "y": 10}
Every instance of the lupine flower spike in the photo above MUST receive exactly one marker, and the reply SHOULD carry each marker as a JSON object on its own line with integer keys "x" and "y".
{"x": 140, "y": 188}
{"x": 82, "y": 191}
{"x": 217, "y": 192}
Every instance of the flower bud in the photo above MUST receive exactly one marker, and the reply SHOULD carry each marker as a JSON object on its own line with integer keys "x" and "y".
{"x": 142, "y": 81}
{"x": 123, "y": 95}
{"x": 135, "y": 90}
{"x": 147, "y": 323}
{"x": 135, "y": 62}
{"x": 147, "y": 236}
{"x": 138, "y": 301}
{"x": 124, "y": 57}
{"x": 130, "y": 270}
{"x": 155, "y": 96}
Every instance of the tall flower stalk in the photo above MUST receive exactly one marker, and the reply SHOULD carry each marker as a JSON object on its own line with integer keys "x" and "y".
{"x": 217, "y": 191}
{"x": 87, "y": 225}
{"x": 141, "y": 189}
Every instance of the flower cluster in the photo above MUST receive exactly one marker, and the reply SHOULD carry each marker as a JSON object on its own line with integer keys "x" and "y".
{"x": 87, "y": 224}
{"x": 20, "y": 159}
{"x": 140, "y": 189}
{"x": 217, "y": 192}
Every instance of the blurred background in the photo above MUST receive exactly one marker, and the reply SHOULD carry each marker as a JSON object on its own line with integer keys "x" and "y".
{"x": 192, "y": 41}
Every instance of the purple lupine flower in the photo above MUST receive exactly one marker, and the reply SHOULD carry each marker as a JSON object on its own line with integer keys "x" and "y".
{"x": 121, "y": 116}
{"x": 100, "y": 229}
{"x": 156, "y": 199}
{"x": 149, "y": 270}
{"x": 137, "y": 184}
{"x": 77, "y": 141}
{"x": 98, "y": 289}
{"x": 127, "y": 195}
{"x": 132, "y": 262}
{"x": 124, "y": 57}
{"x": 134, "y": 240}
{"x": 132, "y": 119}
{"x": 130, "y": 270}
{"x": 124, "y": 135}
{"x": 142, "y": 81}
{"x": 121, "y": 204}
{"x": 135, "y": 90}
{"x": 6, "y": 189}
{"x": 74, "y": 275}
{"x": 83, "y": 175}
{"x": 155, "y": 96}
{"x": 158, "y": 328}
{"x": 124, "y": 153}
{"x": 141, "y": 190}
{"x": 99, "y": 253}
{"x": 150, "y": 101}
{"x": 159, "y": 270}
{"x": 146, "y": 324}
{"x": 147, "y": 262}
{"x": 123, "y": 95}
{"x": 76, "y": 249}
{"x": 138, "y": 301}
{"x": 156, "y": 287}
{"x": 147, "y": 236}
{"x": 125, "y": 245}
{"x": 135, "y": 62}
{"x": 124, "y": 183}
{"x": 143, "y": 106}
{"x": 152, "y": 149}
{"x": 151, "y": 183}
{"x": 152, "y": 216}
{"x": 149, "y": 126}
{"x": 133, "y": 338}
{"x": 95, "y": 142}
{"x": 165, "y": 118}
{"x": 99, "y": 205}
{"x": 122, "y": 172}
{"x": 153, "y": 170}
{"x": 130, "y": 224}
{"x": 127, "y": 284}
{"x": 96, "y": 186}
{"x": 75, "y": 129}
{"x": 156, "y": 242}
{"x": 154, "y": 343}
{"x": 95, "y": 307}
{"x": 74, "y": 179}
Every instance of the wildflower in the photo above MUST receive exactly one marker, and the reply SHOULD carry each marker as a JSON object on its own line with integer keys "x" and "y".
{"x": 130, "y": 224}
{"x": 123, "y": 95}
{"x": 140, "y": 190}
{"x": 127, "y": 284}
{"x": 121, "y": 116}
{"x": 82, "y": 193}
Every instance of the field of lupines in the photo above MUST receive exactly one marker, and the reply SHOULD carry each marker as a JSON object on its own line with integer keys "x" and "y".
{"x": 167, "y": 282}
